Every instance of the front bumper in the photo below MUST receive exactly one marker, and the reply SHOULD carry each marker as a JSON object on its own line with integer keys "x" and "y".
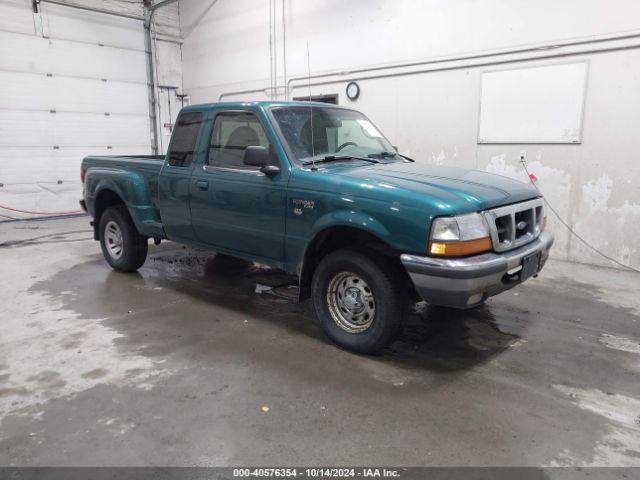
{"x": 467, "y": 282}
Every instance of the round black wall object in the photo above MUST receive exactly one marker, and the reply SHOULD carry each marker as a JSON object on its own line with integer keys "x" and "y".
{"x": 353, "y": 90}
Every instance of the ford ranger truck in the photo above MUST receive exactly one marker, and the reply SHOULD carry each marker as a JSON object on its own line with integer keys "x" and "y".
{"x": 317, "y": 191}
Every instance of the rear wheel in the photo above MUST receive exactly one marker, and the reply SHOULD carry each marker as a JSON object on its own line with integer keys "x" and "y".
{"x": 360, "y": 300}
{"x": 122, "y": 246}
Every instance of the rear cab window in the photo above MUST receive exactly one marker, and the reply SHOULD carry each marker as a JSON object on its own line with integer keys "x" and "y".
{"x": 183, "y": 142}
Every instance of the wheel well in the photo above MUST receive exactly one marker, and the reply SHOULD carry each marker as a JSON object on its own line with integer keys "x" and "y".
{"x": 106, "y": 198}
{"x": 336, "y": 238}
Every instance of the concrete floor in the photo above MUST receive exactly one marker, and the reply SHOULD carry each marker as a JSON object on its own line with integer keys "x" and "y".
{"x": 184, "y": 364}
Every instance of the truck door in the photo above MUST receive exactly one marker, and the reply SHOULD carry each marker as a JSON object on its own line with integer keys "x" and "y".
{"x": 175, "y": 177}
{"x": 235, "y": 207}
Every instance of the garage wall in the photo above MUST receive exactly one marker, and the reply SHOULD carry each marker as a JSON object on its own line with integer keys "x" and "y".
{"x": 419, "y": 65}
{"x": 74, "y": 83}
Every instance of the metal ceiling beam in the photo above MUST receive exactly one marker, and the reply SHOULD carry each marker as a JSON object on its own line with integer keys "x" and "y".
{"x": 36, "y": 3}
{"x": 153, "y": 100}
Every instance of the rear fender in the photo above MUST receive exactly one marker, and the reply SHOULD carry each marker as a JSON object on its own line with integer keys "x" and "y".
{"x": 134, "y": 192}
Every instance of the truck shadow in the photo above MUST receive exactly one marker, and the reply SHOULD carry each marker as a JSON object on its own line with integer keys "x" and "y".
{"x": 185, "y": 293}
{"x": 435, "y": 338}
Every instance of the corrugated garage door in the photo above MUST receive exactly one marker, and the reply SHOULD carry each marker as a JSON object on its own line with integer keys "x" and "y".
{"x": 72, "y": 83}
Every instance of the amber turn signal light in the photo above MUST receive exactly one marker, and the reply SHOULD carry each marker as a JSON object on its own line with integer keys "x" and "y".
{"x": 458, "y": 249}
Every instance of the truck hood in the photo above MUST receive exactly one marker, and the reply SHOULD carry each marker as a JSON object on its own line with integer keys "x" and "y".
{"x": 451, "y": 189}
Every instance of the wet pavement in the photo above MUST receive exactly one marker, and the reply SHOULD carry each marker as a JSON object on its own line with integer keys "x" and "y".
{"x": 185, "y": 363}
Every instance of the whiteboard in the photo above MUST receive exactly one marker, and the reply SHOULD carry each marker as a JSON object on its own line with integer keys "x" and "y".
{"x": 541, "y": 104}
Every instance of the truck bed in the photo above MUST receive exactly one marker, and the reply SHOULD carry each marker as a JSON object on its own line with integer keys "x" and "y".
{"x": 146, "y": 166}
{"x": 123, "y": 159}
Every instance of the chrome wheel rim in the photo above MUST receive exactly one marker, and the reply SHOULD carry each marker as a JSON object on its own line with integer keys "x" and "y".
{"x": 351, "y": 302}
{"x": 113, "y": 239}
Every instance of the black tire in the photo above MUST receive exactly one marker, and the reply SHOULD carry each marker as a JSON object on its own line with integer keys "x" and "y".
{"x": 133, "y": 251}
{"x": 386, "y": 286}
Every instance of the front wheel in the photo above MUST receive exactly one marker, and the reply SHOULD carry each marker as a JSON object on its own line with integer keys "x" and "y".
{"x": 360, "y": 300}
{"x": 122, "y": 246}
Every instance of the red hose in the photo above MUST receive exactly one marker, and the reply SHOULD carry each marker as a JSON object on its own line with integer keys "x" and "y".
{"x": 39, "y": 213}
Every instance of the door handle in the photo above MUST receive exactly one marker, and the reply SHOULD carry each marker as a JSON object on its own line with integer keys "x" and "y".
{"x": 202, "y": 184}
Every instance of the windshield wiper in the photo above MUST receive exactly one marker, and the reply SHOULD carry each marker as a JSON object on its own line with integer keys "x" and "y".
{"x": 382, "y": 154}
{"x": 336, "y": 158}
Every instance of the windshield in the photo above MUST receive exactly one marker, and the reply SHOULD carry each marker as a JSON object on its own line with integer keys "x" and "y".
{"x": 314, "y": 132}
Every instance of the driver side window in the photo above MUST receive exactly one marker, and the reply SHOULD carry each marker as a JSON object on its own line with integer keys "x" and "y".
{"x": 232, "y": 133}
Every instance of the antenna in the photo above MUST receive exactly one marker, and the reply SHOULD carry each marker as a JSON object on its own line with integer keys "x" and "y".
{"x": 313, "y": 145}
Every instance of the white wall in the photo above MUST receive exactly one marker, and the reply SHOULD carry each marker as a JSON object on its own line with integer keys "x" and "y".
{"x": 431, "y": 110}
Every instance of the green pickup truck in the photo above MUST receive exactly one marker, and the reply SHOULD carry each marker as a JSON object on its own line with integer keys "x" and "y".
{"x": 316, "y": 190}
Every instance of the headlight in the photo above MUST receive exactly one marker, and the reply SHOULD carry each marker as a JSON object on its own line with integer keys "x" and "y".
{"x": 445, "y": 229}
{"x": 461, "y": 235}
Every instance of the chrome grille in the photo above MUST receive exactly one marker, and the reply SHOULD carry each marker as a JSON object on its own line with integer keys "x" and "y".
{"x": 515, "y": 225}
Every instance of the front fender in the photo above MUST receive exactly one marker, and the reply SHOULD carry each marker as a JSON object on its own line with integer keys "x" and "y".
{"x": 336, "y": 219}
{"x": 354, "y": 219}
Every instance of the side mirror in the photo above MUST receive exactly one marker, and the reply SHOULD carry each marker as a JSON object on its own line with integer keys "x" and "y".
{"x": 258, "y": 156}
{"x": 270, "y": 170}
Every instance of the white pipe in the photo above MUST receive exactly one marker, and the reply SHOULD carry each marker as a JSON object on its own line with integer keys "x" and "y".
{"x": 543, "y": 51}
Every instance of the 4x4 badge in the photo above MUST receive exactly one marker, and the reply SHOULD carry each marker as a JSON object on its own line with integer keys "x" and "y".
{"x": 299, "y": 204}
